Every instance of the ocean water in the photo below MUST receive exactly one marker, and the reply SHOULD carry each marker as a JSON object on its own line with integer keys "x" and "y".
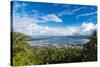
{"x": 61, "y": 40}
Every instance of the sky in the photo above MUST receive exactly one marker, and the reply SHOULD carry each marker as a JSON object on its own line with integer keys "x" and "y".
{"x": 53, "y": 19}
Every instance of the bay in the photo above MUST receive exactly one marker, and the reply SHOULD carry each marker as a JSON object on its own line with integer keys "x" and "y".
{"x": 60, "y": 40}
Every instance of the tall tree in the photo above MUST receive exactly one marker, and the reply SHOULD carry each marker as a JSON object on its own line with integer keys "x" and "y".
{"x": 90, "y": 48}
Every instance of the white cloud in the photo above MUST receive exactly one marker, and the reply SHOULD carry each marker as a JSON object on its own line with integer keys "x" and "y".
{"x": 84, "y": 29}
{"x": 65, "y": 12}
{"x": 16, "y": 6}
{"x": 35, "y": 11}
{"x": 35, "y": 17}
{"x": 17, "y": 18}
{"x": 86, "y": 14}
{"x": 70, "y": 12}
{"x": 52, "y": 17}
{"x": 77, "y": 9}
{"x": 28, "y": 25}
{"x": 88, "y": 26}
{"x": 34, "y": 29}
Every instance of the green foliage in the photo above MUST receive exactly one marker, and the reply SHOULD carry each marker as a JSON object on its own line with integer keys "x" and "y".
{"x": 90, "y": 48}
{"x": 25, "y": 54}
{"x": 21, "y": 53}
{"x": 56, "y": 54}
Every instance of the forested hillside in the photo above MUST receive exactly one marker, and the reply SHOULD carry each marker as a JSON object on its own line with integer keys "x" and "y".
{"x": 25, "y": 54}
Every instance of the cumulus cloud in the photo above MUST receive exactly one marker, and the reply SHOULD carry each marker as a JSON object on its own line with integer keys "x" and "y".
{"x": 88, "y": 26}
{"x": 28, "y": 25}
{"x": 34, "y": 29}
{"x": 84, "y": 29}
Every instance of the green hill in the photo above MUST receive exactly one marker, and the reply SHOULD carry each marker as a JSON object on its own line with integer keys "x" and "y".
{"x": 25, "y": 54}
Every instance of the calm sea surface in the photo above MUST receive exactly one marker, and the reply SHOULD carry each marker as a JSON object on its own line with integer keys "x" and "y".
{"x": 60, "y": 40}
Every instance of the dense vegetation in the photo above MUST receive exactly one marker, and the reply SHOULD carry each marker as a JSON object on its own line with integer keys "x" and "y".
{"x": 90, "y": 48}
{"x": 25, "y": 54}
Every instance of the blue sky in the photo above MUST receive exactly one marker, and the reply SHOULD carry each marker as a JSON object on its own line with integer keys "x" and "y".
{"x": 36, "y": 18}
